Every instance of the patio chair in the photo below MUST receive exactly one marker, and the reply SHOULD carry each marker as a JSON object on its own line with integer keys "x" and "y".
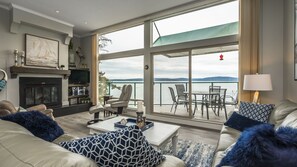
{"x": 222, "y": 102}
{"x": 175, "y": 101}
{"x": 180, "y": 90}
{"x": 232, "y": 99}
{"x": 212, "y": 100}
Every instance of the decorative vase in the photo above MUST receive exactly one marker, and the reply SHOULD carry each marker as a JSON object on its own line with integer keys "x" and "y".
{"x": 139, "y": 119}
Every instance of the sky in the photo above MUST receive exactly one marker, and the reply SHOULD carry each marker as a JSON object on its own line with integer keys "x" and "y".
{"x": 202, "y": 65}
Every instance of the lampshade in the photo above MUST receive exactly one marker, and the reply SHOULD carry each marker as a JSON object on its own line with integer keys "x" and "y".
{"x": 257, "y": 82}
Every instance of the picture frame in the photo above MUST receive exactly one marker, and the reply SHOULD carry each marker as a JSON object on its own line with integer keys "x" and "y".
{"x": 41, "y": 52}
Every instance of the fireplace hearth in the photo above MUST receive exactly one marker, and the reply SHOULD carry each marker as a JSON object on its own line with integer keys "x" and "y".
{"x": 34, "y": 91}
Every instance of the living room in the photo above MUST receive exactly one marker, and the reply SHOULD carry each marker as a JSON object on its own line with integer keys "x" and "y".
{"x": 20, "y": 21}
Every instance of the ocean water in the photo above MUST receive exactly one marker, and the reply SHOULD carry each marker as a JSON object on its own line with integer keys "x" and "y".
{"x": 161, "y": 91}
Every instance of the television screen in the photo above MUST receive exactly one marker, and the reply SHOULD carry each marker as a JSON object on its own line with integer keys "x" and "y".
{"x": 79, "y": 77}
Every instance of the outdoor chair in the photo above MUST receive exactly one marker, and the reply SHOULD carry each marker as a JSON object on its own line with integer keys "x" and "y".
{"x": 180, "y": 90}
{"x": 175, "y": 101}
{"x": 222, "y": 102}
{"x": 212, "y": 100}
{"x": 232, "y": 99}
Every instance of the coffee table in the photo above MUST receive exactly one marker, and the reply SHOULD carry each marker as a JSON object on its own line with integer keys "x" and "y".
{"x": 158, "y": 135}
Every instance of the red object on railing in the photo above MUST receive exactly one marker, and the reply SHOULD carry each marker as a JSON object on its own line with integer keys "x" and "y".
{"x": 221, "y": 57}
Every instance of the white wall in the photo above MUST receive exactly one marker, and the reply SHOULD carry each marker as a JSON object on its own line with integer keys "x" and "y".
{"x": 290, "y": 85}
{"x": 9, "y": 42}
{"x": 271, "y": 48}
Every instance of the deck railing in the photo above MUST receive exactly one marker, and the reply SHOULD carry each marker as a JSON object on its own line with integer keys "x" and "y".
{"x": 162, "y": 95}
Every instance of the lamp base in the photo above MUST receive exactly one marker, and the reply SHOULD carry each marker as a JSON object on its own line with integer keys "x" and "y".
{"x": 256, "y": 97}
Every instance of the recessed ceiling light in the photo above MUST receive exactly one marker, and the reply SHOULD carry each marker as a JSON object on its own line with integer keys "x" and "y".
{"x": 57, "y": 11}
{"x": 86, "y": 22}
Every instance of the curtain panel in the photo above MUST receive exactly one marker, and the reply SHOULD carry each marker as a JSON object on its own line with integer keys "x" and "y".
{"x": 249, "y": 27}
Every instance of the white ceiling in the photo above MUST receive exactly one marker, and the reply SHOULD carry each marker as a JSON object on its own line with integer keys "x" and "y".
{"x": 89, "y": 15}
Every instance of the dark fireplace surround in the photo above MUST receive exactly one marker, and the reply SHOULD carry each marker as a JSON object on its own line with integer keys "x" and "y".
{"x": 34, "y": 91}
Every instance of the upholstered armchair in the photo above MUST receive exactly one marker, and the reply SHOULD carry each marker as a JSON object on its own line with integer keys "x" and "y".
{"x": 6, "y": 108}
{"x": 117, "y": 106}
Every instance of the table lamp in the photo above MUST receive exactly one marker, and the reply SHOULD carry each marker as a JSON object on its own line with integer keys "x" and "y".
{"x": 257, "y": 82}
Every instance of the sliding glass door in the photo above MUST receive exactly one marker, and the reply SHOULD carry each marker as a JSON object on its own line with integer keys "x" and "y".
{"x": 171, "y": 83}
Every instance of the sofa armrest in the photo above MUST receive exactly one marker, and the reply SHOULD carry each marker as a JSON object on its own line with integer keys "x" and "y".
{"x": 4, "y": 112}
{"x": 40, "y": 107}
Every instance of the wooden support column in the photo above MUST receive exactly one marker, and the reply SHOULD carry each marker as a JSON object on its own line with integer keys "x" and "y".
{"x": 94, "y": 71}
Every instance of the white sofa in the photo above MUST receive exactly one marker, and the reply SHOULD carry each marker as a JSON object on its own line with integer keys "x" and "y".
{"x": 20, "y": 148}
{"x": 284, "y": 114}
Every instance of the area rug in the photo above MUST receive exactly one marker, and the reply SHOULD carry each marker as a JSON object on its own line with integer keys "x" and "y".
{"x": 194, "y": 154}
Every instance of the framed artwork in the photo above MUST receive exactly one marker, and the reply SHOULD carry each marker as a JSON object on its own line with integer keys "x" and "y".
{"x": 42, "y": 52}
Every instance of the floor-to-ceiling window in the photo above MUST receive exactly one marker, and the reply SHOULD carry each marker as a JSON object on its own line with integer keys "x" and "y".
{"x": 183, "y": 52}
{"x": 114, "y": 72}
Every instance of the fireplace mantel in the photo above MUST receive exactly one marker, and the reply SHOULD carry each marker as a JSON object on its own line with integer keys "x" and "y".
{"x": 15, "y": 71}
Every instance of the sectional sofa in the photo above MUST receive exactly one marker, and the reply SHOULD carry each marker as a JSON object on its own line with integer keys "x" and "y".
{"x": 20, "y": 148}
{"x": 284, "y": 114}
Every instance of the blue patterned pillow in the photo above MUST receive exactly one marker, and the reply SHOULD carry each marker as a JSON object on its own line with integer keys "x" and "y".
{"x": 37, "y": 123}
{"x": 258, "y": 112}
{"x": 125, "y": 147}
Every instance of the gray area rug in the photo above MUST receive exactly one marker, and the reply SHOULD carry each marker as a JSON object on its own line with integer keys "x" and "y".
{"x": 194, "y": 154}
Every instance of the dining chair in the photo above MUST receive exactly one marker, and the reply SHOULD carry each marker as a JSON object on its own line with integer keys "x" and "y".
{"x": 176, "y": 101}
{"x": 180, "y": 90}
{"x": 214, "y": 97}
{"x": 232, "y": 99}
{"x": 222, "y": 102}
{"x": 212, "y": 100}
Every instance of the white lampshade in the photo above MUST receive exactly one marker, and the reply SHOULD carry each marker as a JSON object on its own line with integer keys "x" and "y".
{"x": 257, "y": 82}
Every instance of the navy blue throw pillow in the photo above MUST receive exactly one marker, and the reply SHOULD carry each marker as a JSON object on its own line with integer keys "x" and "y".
{"x": 261, "y": 146}
{"x": 37, "y": 123}
{"x": 239, "y": 122}
{"x": 124, "y": 147}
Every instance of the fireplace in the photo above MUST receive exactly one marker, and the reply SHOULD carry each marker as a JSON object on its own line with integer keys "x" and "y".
{"x": 34, "y": 91}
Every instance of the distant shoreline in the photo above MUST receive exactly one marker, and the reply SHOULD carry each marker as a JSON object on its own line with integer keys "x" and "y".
{"x": 207, "y": 79}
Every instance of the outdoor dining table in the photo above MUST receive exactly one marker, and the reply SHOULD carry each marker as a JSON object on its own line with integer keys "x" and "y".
{"x": 204, "y": 94}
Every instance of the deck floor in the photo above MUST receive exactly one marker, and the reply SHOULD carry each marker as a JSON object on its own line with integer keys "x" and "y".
{"x": 182, "y": 111}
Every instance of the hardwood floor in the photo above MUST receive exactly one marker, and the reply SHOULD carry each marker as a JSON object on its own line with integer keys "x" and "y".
{"x": 75, "y": 124}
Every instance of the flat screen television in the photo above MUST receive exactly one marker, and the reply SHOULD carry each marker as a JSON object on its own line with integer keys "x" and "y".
{"x": 79, "y": 76}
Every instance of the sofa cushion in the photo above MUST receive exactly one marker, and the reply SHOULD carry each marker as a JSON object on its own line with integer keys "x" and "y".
{"x": 19, "y": 147}
{"x": 124, "y": 147}
{"x": 262, "y": 146}
{"x": 281, "y": 111}
{"x": 290, "y": 120}
{"x": 258, "y": 112}
{"x": 37, "y": 123}
{"x": 240, "y": 122}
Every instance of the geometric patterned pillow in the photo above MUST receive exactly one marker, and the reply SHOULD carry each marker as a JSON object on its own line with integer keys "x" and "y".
{"x": 124, "y": 147}
{"x": 258, "y": 112}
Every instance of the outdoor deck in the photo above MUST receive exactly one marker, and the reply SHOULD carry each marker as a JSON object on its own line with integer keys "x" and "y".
{"x": 181, "y": 111}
